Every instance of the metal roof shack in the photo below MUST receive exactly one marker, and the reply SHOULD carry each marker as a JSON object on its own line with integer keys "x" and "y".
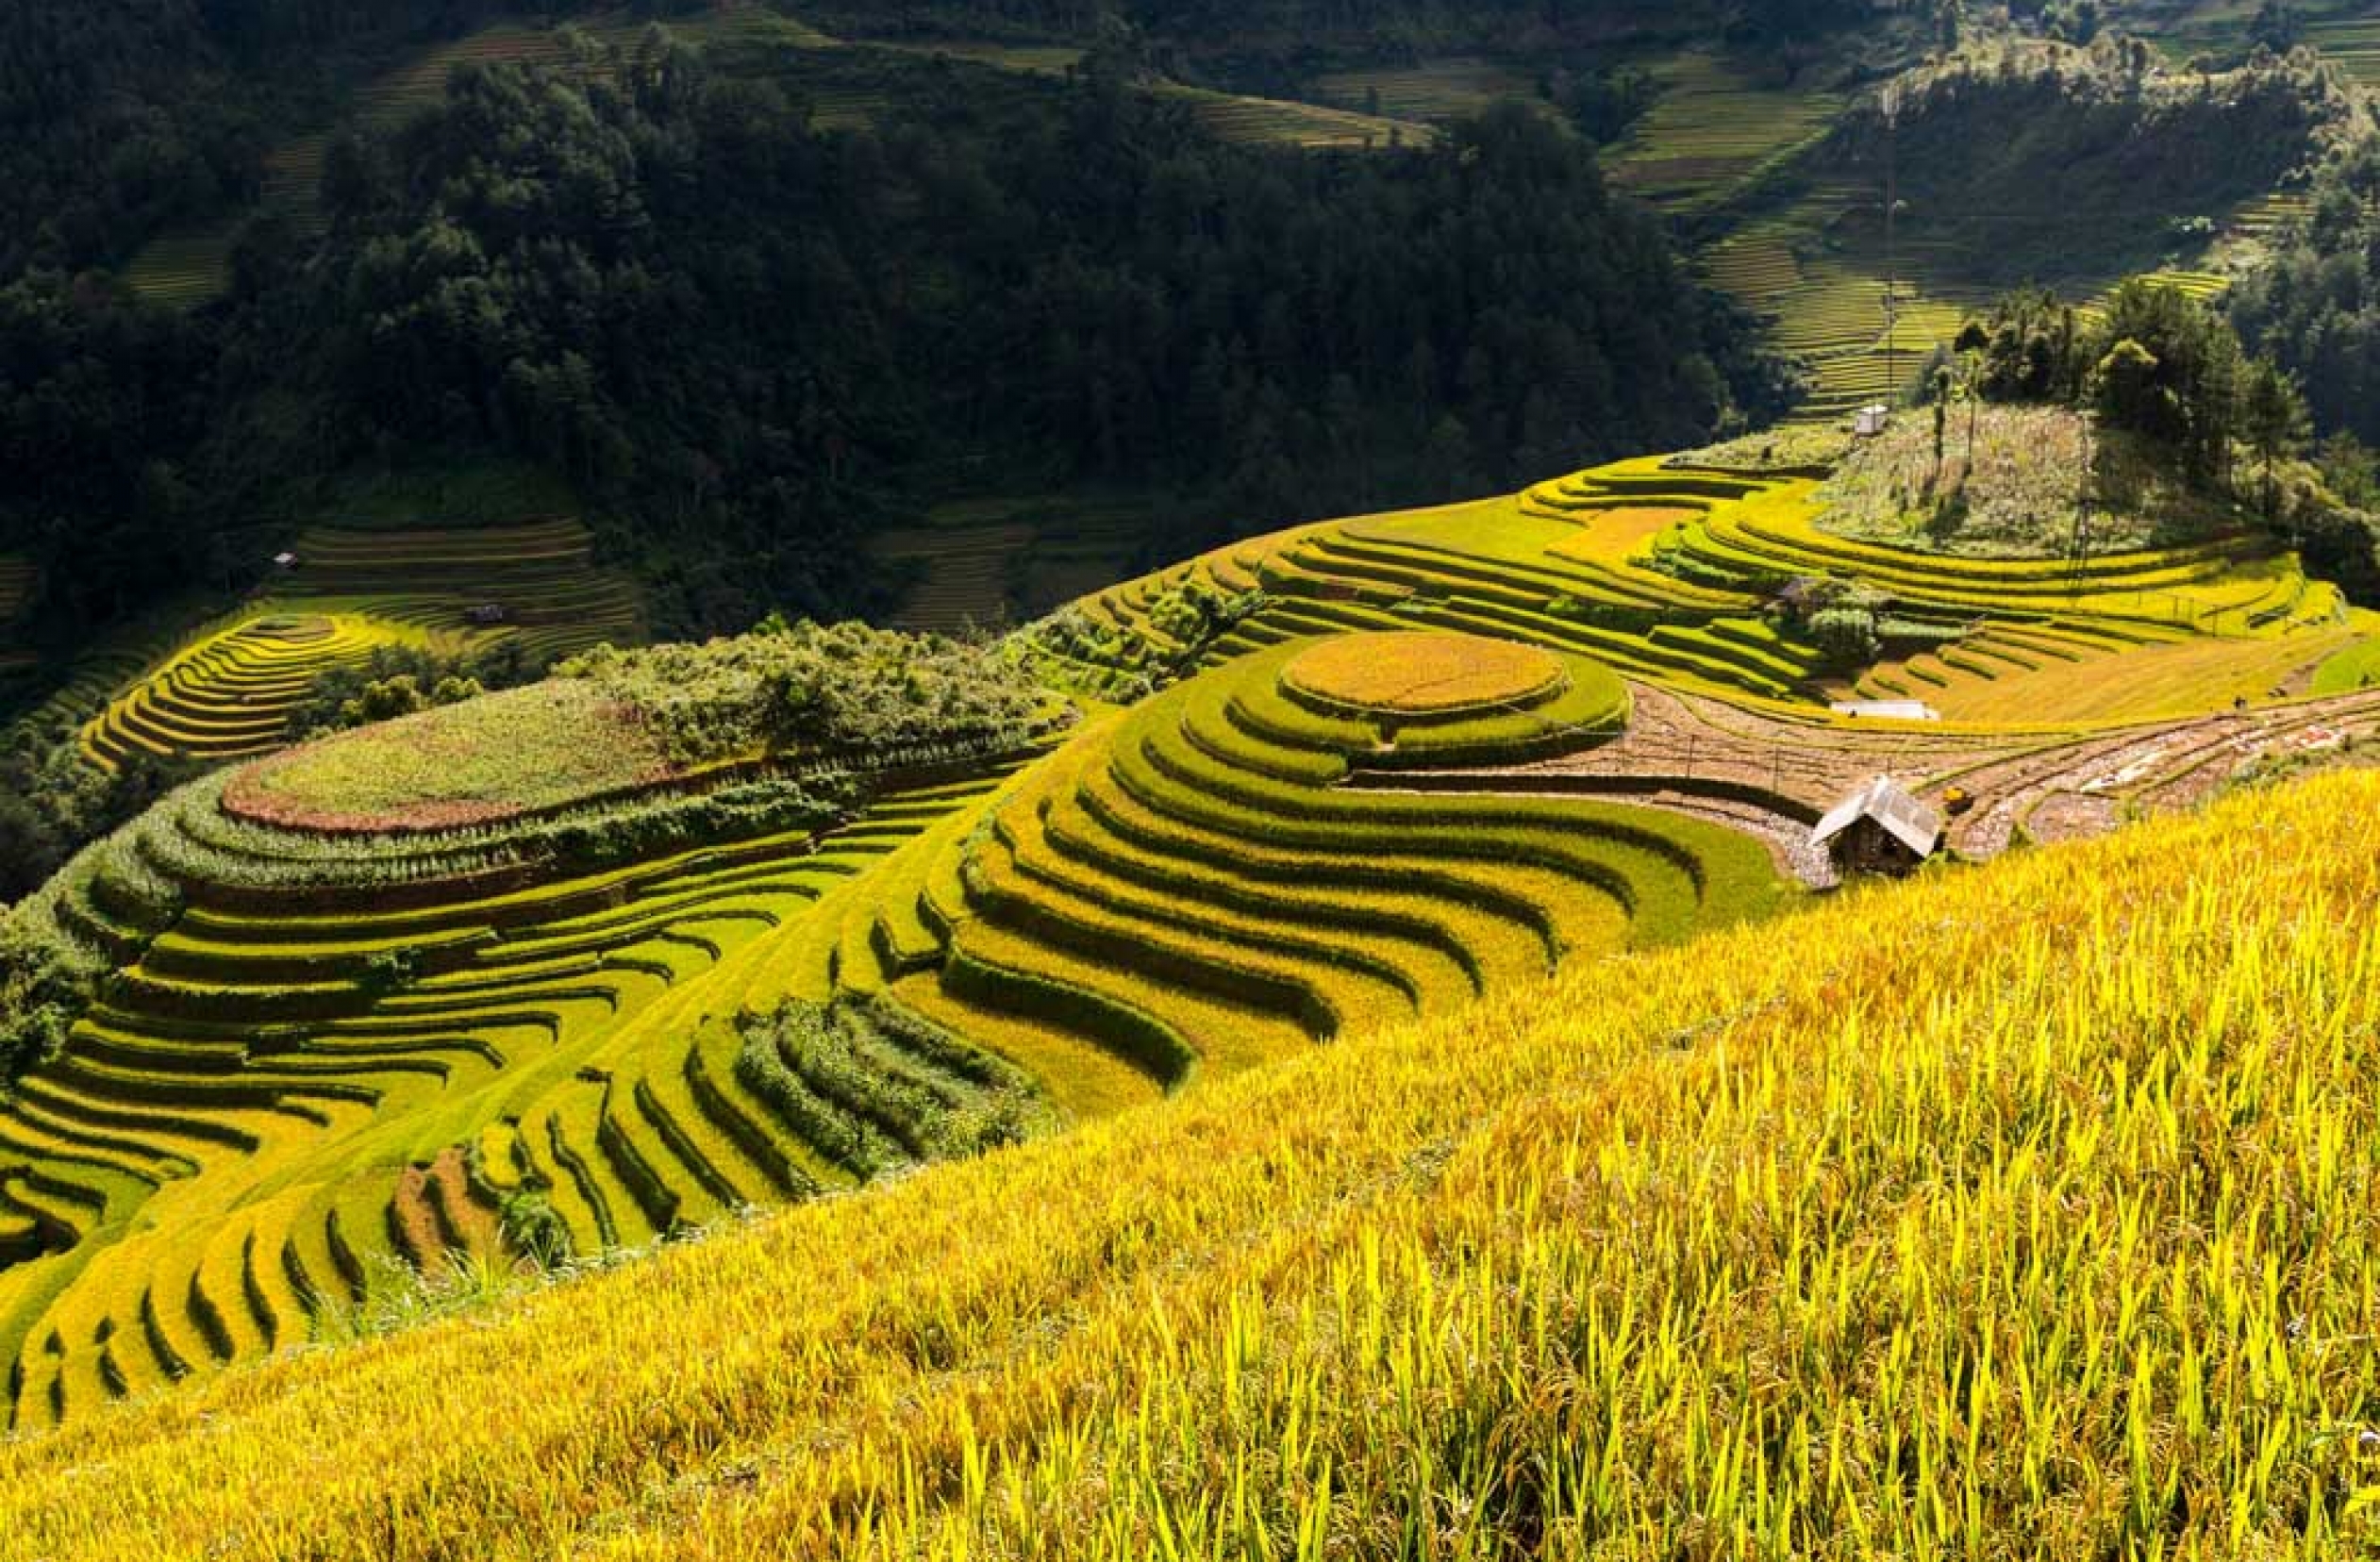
{"x": 1881, "y": 828}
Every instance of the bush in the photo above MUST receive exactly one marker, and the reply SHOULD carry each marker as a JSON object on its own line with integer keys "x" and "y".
{"x": 404, "y": 680}
{"x": 807, "y": 688}
{"x": 1846, "y": 637}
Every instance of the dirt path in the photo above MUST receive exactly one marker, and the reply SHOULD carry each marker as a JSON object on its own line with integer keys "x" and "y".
{"x": 1772, "y": 777}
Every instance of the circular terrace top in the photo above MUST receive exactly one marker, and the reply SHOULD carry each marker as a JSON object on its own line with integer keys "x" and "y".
{"x": 1422, "y": 673}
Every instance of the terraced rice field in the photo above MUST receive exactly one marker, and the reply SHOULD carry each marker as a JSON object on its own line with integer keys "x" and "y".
{"x": 17, "y": 581}
{"x": 541, "y": 575}
{"x": 1775, "y": 1201}
{"x": 229, "y": 694}
{"x": 1826, "y": 298}
{"x": 1664, "y": 575}
{"x": 1712, "y": 128}
{"x": 1032, "y": 59}
{"x": 967, "y": 574}
{"x": 2353, "y": 43}
{"x": 1433, "y": 90}
{"x": 1184, "y": 888}
{"x": 984, "y": 563}
{"x": 319, "y": 1054}
{"x": 252, "y": 1122}
{"x": 1279, "y": 122}
{"x": 1817, "y": 271}
{"x": 1560, "y": 566}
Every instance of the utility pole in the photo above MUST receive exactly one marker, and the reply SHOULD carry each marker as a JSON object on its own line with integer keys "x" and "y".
{"x": 1892, "y": 105}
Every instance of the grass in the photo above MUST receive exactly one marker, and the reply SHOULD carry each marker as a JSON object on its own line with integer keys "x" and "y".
{"x": 2017, "y": 493}
{"x": 1668, "y": 1249}
{"x": 527, "y": 750}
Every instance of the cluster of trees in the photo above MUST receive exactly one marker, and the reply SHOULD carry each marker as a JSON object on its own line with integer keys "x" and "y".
{"x": 2163, "y": 367}
{"x": 2157, "y": 363}
{"x": 2316, "y": 307}
{"x": 405, "y": 680}
{"x": 118, "y": 117}
{"x": 2068, "y": 21}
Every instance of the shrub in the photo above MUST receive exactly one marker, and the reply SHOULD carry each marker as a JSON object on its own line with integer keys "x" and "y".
{"x": 803, "y": 688}
{"x": 1845, "y": 635}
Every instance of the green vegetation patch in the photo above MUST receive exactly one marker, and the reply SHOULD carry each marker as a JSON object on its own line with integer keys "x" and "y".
{"x": 2010, "y": 483}
{"x": 479, "y": 762}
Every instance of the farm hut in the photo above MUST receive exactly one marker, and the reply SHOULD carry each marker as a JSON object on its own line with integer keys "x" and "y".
{"x": 1881, "y": 828}
{"x": 1870, "y": 420}
{"x": 284, "y": 562}
{"x": 486, "y": 613}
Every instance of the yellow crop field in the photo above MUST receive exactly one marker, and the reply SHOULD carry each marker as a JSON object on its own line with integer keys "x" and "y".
{"x": 2021, "y": 1213}
{"x": 1415, "y": 673}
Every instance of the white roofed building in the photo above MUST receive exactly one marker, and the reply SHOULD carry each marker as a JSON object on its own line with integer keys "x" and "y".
{"x": 1881, "y": 828}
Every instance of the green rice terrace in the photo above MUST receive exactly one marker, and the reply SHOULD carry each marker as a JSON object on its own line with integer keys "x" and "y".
{"x": 684, "y": 930}
{"x": 1717, "y": 125}
{"x": 229, "y": 694}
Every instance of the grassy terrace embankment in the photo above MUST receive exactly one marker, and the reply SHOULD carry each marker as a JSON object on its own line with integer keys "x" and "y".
{"x": 2022, "y": 1211}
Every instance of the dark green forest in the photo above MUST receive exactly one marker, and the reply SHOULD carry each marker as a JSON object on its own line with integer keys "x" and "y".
{"x": 2317, "y": 307}
{"x": 748, "y": 341}
{"x": 118, "y": 117}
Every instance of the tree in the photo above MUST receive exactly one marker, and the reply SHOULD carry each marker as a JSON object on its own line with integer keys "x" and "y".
{"x": 1940, "y": 387}
{"x": 2273, "y": 420}
{"x": 2128, "y": 394}
{"x": 2277, "y": 26}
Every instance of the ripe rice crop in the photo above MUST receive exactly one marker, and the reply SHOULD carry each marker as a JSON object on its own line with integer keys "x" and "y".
{"x": 308, "y": 1046}
{"x": 2017, "y": 1213}
{"x": 1421, "y": 673}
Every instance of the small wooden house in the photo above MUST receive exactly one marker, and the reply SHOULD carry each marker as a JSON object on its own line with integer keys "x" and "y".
{"x": 1881, "y": 828}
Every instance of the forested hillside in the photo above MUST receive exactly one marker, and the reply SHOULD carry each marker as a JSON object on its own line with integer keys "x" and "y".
{"x": 2317, "y": 306}
{"x": 122, "y": 115}
{"x": 751, "y": 334}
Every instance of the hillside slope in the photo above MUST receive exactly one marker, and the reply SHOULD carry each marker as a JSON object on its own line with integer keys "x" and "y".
{"x": 2017, "y": 1214}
